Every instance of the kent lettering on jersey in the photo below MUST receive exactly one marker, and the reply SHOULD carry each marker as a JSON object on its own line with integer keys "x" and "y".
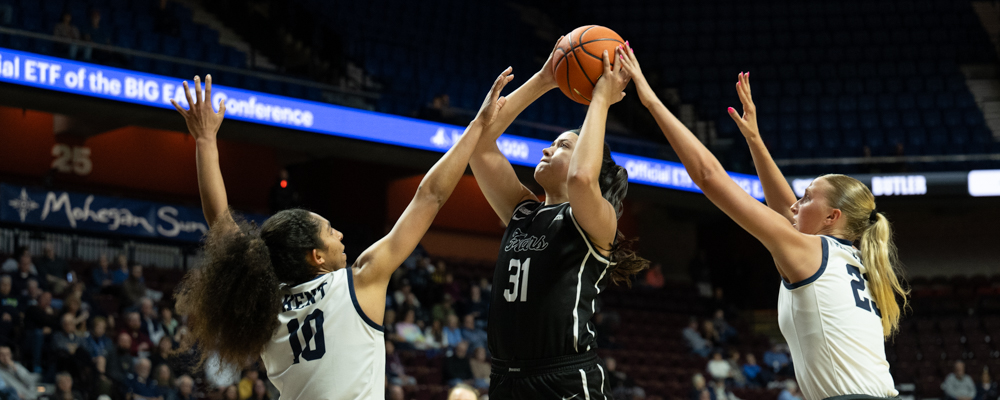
{"x": 298, "y": 301}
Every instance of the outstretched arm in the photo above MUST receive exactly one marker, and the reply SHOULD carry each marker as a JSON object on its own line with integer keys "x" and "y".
{"x": 595, "y": 214}
{"x": 777, "y": 193}
{"x": 794, "y": 252}
{"x": 380, "y": 260}
{"x": 491, "y": 168}
{"x": 203, "y": 123}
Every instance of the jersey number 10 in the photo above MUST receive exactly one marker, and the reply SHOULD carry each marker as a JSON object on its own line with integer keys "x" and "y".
{"x": 308, "y": 335}
{"x": 519, "y": 277}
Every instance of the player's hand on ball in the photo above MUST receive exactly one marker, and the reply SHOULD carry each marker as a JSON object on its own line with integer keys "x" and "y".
{"x": 611, "y": 85}
{"x": 202, "y": 121}
{"x": 547, "y": 73}
{"x": 631, "y": 64}
{"x": 494, "y": 101}
{"x": 748, "y": 122}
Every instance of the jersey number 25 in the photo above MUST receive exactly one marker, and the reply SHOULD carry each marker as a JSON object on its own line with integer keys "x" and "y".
{"x": 858, "y": 287}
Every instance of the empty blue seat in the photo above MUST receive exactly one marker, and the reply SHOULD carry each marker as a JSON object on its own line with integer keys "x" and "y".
{"x": 932, "y": 118}
{"x": 831, "y": 139}
{"x": 149, "y": 42}
{"x": 916, "y": 137}
{"x": 809, "y": 139}
{"x": 848, "y": 120}
{"x": 847, "y": 103}
{"x": 953, "y": 118}
{"x": 973, "y": 117}
{"x": 925, "y": 101}
{"x": 890, "y": 119}
{"x": 910, "y": 119}
{"x": 807, "y": 122}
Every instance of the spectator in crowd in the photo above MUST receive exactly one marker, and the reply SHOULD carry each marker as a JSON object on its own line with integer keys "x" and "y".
{"x": 151, "y": 325}
{"x": 726, "y": 331}
{"x": 988, "y": 388}
{"x": 168, "y": 323}
{"x": 134, "y": 287}
{"x": 407, "y": 329}
{"x": 440, "y": 270}
{"x": 102, "y": 275}
{"x": 163, "y": 382}
{"x": 250, "y": 377}
{"x": 53, "y": 270}
{"x": 480, "y": 369}
{"x": 696, "y": 343}
{"x": 185, "y": 389}
{"x": 477, "y": 306}
{"x": 163, "y": 353}
{"x": 389, "y": 326}
{"x": 96, "y": 33}
{"x": 721, "y": 392}
{"x": 441, "y": 310}
{"x": 486, "y": 288}
{"x": 64, "y": 388}
{"x": 394, "y": 370}
{"x": 452, "y": 333}
{"x": 260, "y": 391}
{"x": 403, "y": 292}
{"x": 622, "y": 387}
{"x": 98, "y": 343}
{"x": 16, "y": 376}
{"x": 710, "y": 334}
{"x": 718, "y": 368}
{"x": 756, "y": 377}
{"x": 24, "y": 274}
{"x": 434, "y": 337}
{"x": 121, "y": 271}
{"x": 456, "y": 368}
{"x": 778, "y": 362}
{"x": 102, "y": 384}
{"x": 654, "y": 277}
{"x": 74, "y": 307}
{"x": 10, "y": 310}
{"x": 451, "y": 287}
{"x": 736, "y": 377}
{"x": 462, "y": 391}
{"x": 120, "y": 363}
{"x": 70, "y": 349}
{"x": 413, "y": 304}
{"x": 139, "y": 385}
{"x": 438, "y": 110}
{"x": 700, "y": 390}
{"x": 395, "y": 393}
{"x": 21, "y": 254}
{"x": 473, "y": 334}
{"x": 958, "y": 385}
{"x": 790, "y": 392}
{"x": 133, "y": 327}
{"x": 39, "y": 322}
{"x": 231, "y": 393}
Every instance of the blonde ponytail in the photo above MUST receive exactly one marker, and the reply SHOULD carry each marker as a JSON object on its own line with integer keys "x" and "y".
{"x": 878, "y": 253}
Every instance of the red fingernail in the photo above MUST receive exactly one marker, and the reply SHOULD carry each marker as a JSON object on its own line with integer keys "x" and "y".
{"x": 626, "y": 42}
{"x": 621, "y": 56}
{"x": 737, "y": 83}
{"x": 731, "y": 109}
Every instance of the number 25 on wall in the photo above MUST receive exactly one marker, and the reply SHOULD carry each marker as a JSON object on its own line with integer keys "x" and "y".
{"x": 73, "y": 159}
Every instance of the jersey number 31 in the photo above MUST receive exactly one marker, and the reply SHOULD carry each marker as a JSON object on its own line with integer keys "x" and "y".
{"x": 519, "y": 277}
{"x": 309, "y": 335}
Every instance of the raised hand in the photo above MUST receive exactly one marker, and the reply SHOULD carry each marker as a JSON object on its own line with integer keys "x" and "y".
{"x": 611, "y": 84}
{"x": 631, "y": 64}
{"x": 547, "y": 73}
{"x": 202, "y": 121}
{"x": 748, "y": 122}
{"x": 494, "y": 102}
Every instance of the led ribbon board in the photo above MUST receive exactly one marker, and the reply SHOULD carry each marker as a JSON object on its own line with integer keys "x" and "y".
{"x": 98, "y": 81}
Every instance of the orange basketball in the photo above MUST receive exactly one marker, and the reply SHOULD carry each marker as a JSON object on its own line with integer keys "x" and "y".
{"x": 578, "y": 64}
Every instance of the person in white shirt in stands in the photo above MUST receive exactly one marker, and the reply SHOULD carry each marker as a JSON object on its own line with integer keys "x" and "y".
{"x": 958, "y": 385}
{"x": 16, "y": 376}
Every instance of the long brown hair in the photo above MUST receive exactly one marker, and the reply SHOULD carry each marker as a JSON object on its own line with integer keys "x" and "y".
{"x": 233, "y": 301}
{"x": 613, "y": 181}
{"x": 878, "y": 251}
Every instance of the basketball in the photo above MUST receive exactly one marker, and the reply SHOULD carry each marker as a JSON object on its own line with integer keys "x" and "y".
{"x": 577, "y": 64}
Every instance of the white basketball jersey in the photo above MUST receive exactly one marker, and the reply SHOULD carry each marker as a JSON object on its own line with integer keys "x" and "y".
{"x": 834, "y": 329}
{"x": 326, "y": 348}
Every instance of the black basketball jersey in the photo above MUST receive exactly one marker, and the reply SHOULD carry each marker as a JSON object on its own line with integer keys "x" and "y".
{"x": 547, "y": 278}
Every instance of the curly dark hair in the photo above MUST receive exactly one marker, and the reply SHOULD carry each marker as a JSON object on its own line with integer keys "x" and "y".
{"x": 613, "y": 181}
{"x": 233, "y": 301}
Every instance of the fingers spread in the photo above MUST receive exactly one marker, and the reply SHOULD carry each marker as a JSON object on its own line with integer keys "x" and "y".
{"x": 208, "y": 88}
{"x": 222, "y": 107}
{"x": 197, "y": 90}
{"x": 178, "y": 107}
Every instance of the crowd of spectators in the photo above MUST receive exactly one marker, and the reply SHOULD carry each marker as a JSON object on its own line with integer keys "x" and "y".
{"x": 106, "y": 337}
{"x": 960, "y": 386}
